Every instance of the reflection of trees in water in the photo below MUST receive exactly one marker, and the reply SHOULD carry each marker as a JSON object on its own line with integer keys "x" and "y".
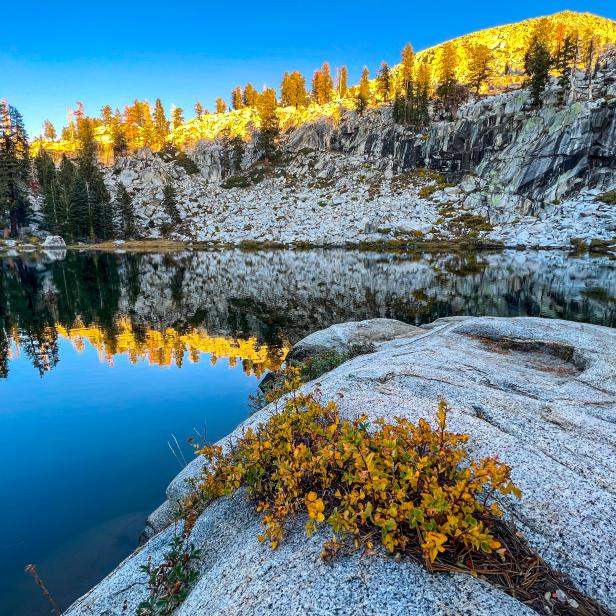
{"x": 280, "y": 296}
{"x": 26, "y": 307}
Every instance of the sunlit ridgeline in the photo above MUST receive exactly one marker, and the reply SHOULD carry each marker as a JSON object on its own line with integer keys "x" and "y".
{"x": 156, "y": 348}
{"x": 507, "y": 45}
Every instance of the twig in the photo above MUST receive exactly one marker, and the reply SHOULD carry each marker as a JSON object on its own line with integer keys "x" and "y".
{"x": 31, "y": 569}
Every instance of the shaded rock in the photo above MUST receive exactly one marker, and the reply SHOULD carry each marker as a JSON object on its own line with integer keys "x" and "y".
{"x": 343, "y": 336}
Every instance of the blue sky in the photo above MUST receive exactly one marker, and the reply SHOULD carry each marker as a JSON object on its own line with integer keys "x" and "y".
{"x": 113, "y": 52}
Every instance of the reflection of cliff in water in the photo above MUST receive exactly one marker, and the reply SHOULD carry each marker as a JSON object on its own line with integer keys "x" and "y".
{"x": 281, "y": 296}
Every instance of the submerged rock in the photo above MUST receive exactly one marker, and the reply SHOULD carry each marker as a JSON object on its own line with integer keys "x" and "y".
{"x": 540, "y": 394}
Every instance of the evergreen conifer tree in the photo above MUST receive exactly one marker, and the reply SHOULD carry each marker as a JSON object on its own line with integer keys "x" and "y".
{"x": 322, "y": 85}
{"x": 250, "y": 96}
{"x": 479, "y": 66}
{"x": 269, "y": 129}
{"x": 362, "y": 98}
{"x": 537, "y": 63}
{"x": 66, "y": 177}
{"x": 161, "y": 125}
{"x": 106, "y": 115}
{"x": 237, "y": 101}
{"x": 170, "y": 202}
{"x": 343, "y": 82}
{"x": 14, "y": 168}
{"x": 221, "y": 106}
{"x": 406, "y": 70}
{"x": 384, "y": 81}
{"x": 119, "y": 142}
{"x": 50, "y": 192}
{"x": 293, "y": 90}
{"x": 565, "y": 62}
{"x": 79, "y": 212}
{"x": 237, "y": 148}
{"x": 177, "y": 117}
{"x": 450, "y": 92}
{"x": 49, "y": 131}
{"x": 125, "y": 213}
{"x": 90, "y": 211}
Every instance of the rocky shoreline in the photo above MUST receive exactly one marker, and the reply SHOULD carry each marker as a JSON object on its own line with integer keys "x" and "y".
{"x": 540, "y": 394}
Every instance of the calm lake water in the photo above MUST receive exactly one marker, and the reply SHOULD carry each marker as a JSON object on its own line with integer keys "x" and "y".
{"x": 106, "y": 359}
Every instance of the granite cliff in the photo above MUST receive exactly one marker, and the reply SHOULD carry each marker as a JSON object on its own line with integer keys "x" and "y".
{"x": 500, "y": 172}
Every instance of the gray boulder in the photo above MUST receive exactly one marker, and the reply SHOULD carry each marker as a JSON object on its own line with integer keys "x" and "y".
{"x": 54, "y": 242}
{"x": 343, "y": 336}
{"x": 540, "y": 394}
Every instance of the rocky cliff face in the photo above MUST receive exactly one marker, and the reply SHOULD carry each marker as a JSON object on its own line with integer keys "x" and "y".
{"x": 532, "y": 175}
{"x": 524, "y": 159}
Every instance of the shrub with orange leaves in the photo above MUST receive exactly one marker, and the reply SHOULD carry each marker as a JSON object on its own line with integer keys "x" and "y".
{"x": 411, "y": 488}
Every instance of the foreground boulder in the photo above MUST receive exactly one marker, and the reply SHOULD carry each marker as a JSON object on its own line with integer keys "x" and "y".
{"x": 345, "y": 337}
{"x": 541, "y": 394}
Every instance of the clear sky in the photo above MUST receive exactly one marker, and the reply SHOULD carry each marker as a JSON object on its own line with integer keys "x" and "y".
{"x": 55, "y": 53}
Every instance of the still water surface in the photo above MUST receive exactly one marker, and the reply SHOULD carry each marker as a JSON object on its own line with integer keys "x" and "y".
{"x": 106, "y": 358}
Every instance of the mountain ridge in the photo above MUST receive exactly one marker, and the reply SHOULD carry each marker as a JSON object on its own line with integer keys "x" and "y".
{"x": 508, "y": 44}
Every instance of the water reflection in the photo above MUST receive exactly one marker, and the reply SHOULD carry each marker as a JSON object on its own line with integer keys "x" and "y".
{"x": 249, "y": 306}
{"x": 167, "y": 347}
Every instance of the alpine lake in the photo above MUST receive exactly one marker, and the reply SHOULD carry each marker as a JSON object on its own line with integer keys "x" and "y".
{"x": 110, "y": 362}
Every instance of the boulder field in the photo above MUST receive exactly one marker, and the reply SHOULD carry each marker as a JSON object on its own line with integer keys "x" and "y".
{"x": 540, "y": 394}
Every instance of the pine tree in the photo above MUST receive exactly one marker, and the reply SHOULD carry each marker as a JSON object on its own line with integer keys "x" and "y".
{"x": 479, "y": 66}
{"x": 406, "y": 70}
{"x": 177, "y": 117}
{"x": 237, "y": 101}
{"x": 421, "y": 111}
{"x": 148, "y": 133}
{"x": 14, "y": 168}
{"x": 119, "y": 142}
{"x": 565, "y": 62}
{"x": 49, "y": 131}
{"x": 50, "y": 191}
{"x": 269, "y": 129}
{"x": 384, "y": 81}
{"x": 221, "y": 106}
{"x": 79, "y": 115}
{"x": 106, "y": 115}
{"x": 343, "y": 82}
{"x": 79, "y": 212}
{"x": 198, "y": 109}
{"x": 237, "y": 150}
{"x": 362, "y": 98}
{"x": 250, "y": 96}
{"x": 101, "y": 208}
{"x": 132, "y": 124}
{"x": 170, "y": 202}
{"x": 451, "y": 94}
{"x": 161, "y": 125}
{"x": 66, "y": 177}
{"x": 293, "y": 90}
{"x": 90, "y": 212}
{"x": 285, "y": 90}
{"x": 126, "y": 213}
{"x": 322, "y": 85}
{"x": 537, "y": 63}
